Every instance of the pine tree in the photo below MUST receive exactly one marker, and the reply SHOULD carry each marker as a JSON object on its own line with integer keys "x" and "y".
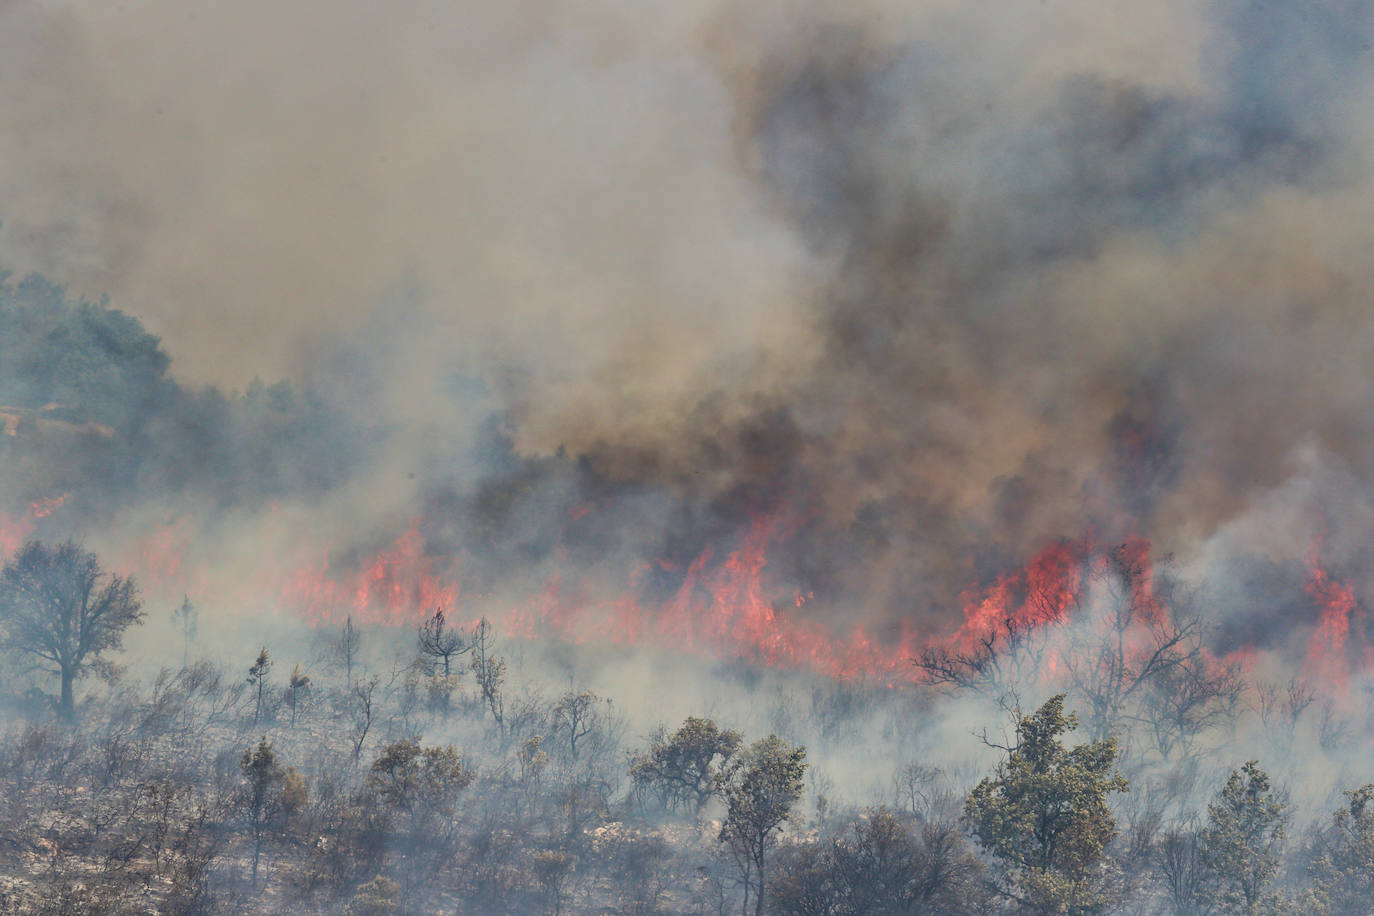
{"x": 257, "y": 676}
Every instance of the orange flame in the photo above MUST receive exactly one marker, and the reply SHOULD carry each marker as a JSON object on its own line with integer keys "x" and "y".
{"x": 1328, "y": 647}
{"x": 1042, "y": 593}
{"x": 726, "y": 609}
{"x": 727, "y": 603}
{"x": 399, "y": 585}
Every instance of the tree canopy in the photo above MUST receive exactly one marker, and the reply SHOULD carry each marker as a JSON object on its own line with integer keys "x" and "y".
{"x": 1240, "y": 845}
{"x": 1044, "y": 815}
{"x": 684, "y": 769}
{"x": 57, "y": 351}
{"x": 62, "y": 610}
{"x": 1342, "y": 869}
{"x": 761, "y": 785}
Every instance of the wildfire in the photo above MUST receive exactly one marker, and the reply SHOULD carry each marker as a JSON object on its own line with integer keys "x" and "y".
{"x": 1042, "y": 593}
{"x": 16, "y": 529}
{"x": 729, "y": 603}
{"x": 396, "y": 586}
{"x": 725, "y": 608}
{"x": 1329, "y": 647}
{"x": 42, "y": 508}
{"x": 722, "y": 606}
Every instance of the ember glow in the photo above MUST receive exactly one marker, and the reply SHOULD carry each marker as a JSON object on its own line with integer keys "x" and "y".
{"x": 15, "y": 529}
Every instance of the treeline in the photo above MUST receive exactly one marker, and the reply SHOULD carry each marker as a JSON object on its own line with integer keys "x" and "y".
{"x": 90, "y": 409}
{"x": 336, "y": 787}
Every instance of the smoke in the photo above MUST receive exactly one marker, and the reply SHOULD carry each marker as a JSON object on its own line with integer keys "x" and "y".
{"x": 551, "y": 181}
{"x": 595, "y": 287}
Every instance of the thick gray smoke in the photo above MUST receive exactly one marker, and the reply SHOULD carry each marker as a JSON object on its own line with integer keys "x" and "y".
{"x": 943, "y": 284}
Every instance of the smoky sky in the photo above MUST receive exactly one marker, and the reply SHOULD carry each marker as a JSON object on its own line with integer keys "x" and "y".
{"x": 946, "y": 283}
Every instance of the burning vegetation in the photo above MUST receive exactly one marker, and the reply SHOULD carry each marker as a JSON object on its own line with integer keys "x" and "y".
{"x": 875, "y": 458}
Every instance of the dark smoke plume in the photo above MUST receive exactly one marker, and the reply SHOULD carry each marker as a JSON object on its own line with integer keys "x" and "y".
{"x": 601, "y": 290}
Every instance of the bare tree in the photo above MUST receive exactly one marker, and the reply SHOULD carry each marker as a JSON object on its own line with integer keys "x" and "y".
{"x": 439, "y": 645}
{"x": 992, "y": 664}
{"x": 1180, "y": 866}
{"x": 1127, "y": 639}
{"x": 925, "y": 792}
{"x": 1189, "y": 698}
{"x": 350, "y": 642}
{"x": 59, "y": 607}
{"x": 576, "y": 715}
{"x": 490, "y": 672}
{"x": 1280, "y": 709}
{"x": 363, "y": 714}
{"x": 1009, "y": 653}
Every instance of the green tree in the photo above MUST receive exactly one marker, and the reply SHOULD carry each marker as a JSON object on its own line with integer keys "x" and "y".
{"x": 60, "y": 608}
{"x": 684, "y": 768}
{"x": 883, "y": 864}
{"x": 760, "y": 786}
{"x": 419, "y": 787}
{"x": 375, "y": 898}
{"x": 1342, "y": 867}
{"x": 295, "y": 686}
{"x": 552, "y": 868}
{"x": 257, "y": 677}
{"x": 1240, "y": 845}
{"x": 268, "y": 795}
{"x": 1044, "y": 816}
{"x": 81, "y": 355}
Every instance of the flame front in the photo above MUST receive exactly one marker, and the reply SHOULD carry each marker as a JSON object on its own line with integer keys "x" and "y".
{"x": 730, "y": 604}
